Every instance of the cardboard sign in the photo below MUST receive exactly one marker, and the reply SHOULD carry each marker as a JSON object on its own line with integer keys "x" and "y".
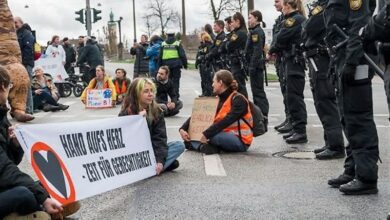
{"x": 99, "y": 98}
{"x": 77, "y": 160}
{"x": 202, "y": 117}
{"x": 54, "y": 67}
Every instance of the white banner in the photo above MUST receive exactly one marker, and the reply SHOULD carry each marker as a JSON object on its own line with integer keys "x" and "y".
{"x": 54, "y": 67}
{"x": 99, "y": 98}
{"x": 76, "y": 160}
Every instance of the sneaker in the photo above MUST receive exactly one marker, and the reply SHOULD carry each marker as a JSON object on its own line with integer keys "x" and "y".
{"x": 342, "y": 179}
{"x": 39, "y": 215}
{"x": 173, "y": 166}
{"x": 209, "y": 149}
{"x": 357, "y": 187}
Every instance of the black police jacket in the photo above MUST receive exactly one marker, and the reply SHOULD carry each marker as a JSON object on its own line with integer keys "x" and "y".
{"x": 314, "y": 30}
{"x": 275, "y": 31}
{"x": 236, "y": 43}
{"x": 352, "y": 15}
{"x": 10, "y": 157}
{"x": 203, "y": 51}
{"x": 254, "y": 49}
{"x": 218, "y": 42}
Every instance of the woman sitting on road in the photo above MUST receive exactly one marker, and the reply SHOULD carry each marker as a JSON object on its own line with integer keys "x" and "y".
{"x": 101, "y": 81}
{"x": 140, "y": 101}
{"x": 45, "y": 93}
{"x": 122, "y": 84}
{"x": 230, "y": 131}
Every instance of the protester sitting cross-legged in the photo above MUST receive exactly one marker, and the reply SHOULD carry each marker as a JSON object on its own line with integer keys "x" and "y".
{"x": 164, "y": 89}
{"x": 45, "y": 93}
{"x": 122, "y": 84}
{"x": 231, "y": 130}
{"x": 101, "y": 81}
{"x": 140, "y": 101}
{"x": 20, "y": 196}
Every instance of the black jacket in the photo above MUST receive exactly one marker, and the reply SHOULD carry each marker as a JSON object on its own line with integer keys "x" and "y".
{"x": 239, "y": 109}
{"x": 203, "y": 51}
{"x": 275, "y": 31}
{"x": 235, "y": 46}
{"x": 26, "y": 42}
{"x": 254, "y": 50}
{"x": 10, "y": 156}
{"x": 314, "y": 30}
{"x": 70, "y": 53}
{"x": 141, "y": 64}
{"x": 218, "y": 42}
{"x": 158, "y": 135}
{"x": 165, "y": 90}
{"x": 90, "y": 54}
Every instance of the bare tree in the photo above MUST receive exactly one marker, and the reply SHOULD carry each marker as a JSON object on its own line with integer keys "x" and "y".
{"x": 221, "y": 7}
{"x": 163, "y": 13}
{"x": 151, "y": 25}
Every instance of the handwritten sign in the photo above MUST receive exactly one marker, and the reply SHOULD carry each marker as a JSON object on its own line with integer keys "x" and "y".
{"x": 99, "y": 98}
{"x": 202, "y": 116}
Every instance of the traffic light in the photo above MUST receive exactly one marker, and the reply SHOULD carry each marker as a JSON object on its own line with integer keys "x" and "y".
{"x": 81, "y": 16}
{"x": 96, "y": 16}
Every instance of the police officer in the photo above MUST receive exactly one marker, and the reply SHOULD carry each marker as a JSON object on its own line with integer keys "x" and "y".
{"x": 289, "y": 40}
{"x": 214, "y": 56}
{"x": 223, "y": 49}
{"x": 254, "y": 53}
{"x": 321, "y": 85}
{"x": 203, "y": 65}
{"x": 173, "y": 55}
{"x": 354, "y": 95}
{"x": 276, "y": 54}
{"x": 235, "y": 48}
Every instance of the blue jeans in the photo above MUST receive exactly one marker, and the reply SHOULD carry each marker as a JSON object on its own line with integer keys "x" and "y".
{"x": 29, "y": 103}
{"x": 228, "y": 142}
{"x": 18, "y": 199}
{"x": 175, "y": 149}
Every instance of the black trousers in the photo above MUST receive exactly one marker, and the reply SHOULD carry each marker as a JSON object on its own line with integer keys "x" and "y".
{"x": 283, "y": 85}
{"x": 356, "y": 110}
{"x": 239, "y": 76}
{"x": 257, "y": 84}
{"x": 324, "y": 96}
{"x": 206, "y": 80}
{"x": 387, "y": 85}
{"x": 18, "y": 199}
{"x": 175, "y": 75}
{"x": 295, "y": 102}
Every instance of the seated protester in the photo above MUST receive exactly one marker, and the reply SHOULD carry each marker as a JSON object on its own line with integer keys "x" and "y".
{"x": 45, "y": 93}
{"x": 122, "y": 84}
{"x": 20, "y": 196}
{"x": 230, "y": 131}
{"x": 101, "y": 81}
{"x": 140, "y": 101}
{"x": 164, "y": 89}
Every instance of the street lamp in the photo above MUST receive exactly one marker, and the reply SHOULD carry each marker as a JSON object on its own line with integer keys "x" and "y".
{"x": 120, "y": 45}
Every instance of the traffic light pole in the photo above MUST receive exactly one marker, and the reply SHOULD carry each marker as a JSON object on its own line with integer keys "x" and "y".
{"x": 88, "y": 18}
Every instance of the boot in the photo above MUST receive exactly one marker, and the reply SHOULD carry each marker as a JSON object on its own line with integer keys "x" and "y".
{"x": 209, "y": 149}
{"x": 281, "y": 124}
{"x": 342, "y": 179}
{"x": 48, "y": 108}
{"x": 39, "y": 215}
{"x": 319, "y": 150}
{"x": 286, "y": 128}
{"x": 329, "y": 154}
{"x": 289, "y": 134}
{"x": 357, "y": 187}
{"x": 63, "y": 107}
{"x": 173, "y": 166}
{"x": 297, "y": 138}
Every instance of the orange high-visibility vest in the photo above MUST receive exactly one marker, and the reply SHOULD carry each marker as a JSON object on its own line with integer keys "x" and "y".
{"x": 123, "y": 89}
{"x": 239, "y": 128}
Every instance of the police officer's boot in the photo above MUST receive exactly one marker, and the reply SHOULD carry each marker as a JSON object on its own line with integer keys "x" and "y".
{"x": 286, "y": 128}
{"x": 357, "y": 187}
{"x": 289, "y": 134}
{"x": 388, "y": 216}
{"x": 328, "y": 154}
{"x": 319, "y": 150}
{"x": 342, "y": 179}
{"x": 281, "y": 124}
{"x": 297, "y": 138}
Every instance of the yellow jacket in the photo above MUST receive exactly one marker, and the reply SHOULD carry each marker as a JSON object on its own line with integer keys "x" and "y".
{"x": 107, "y": 85}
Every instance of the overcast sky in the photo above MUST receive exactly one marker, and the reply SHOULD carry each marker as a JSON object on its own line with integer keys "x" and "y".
{"x": 51, "y": 17}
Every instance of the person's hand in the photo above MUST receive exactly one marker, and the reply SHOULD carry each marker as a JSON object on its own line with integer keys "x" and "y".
{"x": 120, "y": 98}
{"x": 171, "y": 105}
{"x": 159, "y": 168}
{"x": 12, "y": 136}
{"x": 203, "y": 140}
{"x": 184, "y": 135}
{"x": 51, "y": 206}
{"x": 142, "y": 113}
{"x": 38, "y": 91}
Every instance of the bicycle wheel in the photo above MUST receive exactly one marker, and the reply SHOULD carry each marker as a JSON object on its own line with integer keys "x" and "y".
{"x": 78, "y": 90}
{"x": 65, "y": 89}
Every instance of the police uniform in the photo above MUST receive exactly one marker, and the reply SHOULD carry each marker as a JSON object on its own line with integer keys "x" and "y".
{"x": 285, "y": 125}
{"x": 354, "y": 95}
{"x": 254, "y": 53}
{"x": 321, "y": 84}
{"x": 288, "y": 40}
{"x": 215, "y": 55}
{"x": 222, "y": 50}
{"x": 235, "y": 48}
{"x": 204, "y": 68}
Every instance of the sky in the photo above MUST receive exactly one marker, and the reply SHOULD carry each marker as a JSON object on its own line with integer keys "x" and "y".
{"x": 51, "y": 17}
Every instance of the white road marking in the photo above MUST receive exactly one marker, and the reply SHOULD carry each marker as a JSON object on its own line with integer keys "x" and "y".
{"x": 70, "y": 103}
{"x": 213, "y": 165}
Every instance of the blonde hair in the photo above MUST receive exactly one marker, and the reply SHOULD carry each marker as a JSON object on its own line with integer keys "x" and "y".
{"x": 297, "y": 5}
{"x": 205, "y": 37}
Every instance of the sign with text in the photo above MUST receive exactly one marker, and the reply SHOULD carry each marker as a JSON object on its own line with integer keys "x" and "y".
{"x": 54, "y": 67}
{"x": 203, "y": 112}
{"x": 99, "y": 98}
{"x": 77, "y": 160}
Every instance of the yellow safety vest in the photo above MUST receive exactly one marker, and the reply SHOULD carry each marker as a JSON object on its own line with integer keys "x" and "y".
{"x": 170, "y": 51}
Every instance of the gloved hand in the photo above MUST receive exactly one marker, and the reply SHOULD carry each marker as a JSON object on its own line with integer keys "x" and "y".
{"x": 348, "y": 73}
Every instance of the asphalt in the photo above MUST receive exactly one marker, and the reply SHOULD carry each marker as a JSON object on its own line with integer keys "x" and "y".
{"x": 257, "y": 185}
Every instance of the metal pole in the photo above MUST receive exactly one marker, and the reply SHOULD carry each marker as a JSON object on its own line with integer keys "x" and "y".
{"x": 135, "y": 28}
{"x": 251, "y": 6}
{"x": 88, "y": 17}
{"x": 183, "y": 11}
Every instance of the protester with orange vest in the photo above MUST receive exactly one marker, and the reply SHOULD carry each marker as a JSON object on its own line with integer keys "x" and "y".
{"x": 230, "y": 131}
{"x": 101, "y": 81}
{"x": 122, "y": 84}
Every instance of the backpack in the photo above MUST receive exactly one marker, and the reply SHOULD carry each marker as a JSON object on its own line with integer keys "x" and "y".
{"x": 259, "y": 120}
{"x": 37, "y": 51}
